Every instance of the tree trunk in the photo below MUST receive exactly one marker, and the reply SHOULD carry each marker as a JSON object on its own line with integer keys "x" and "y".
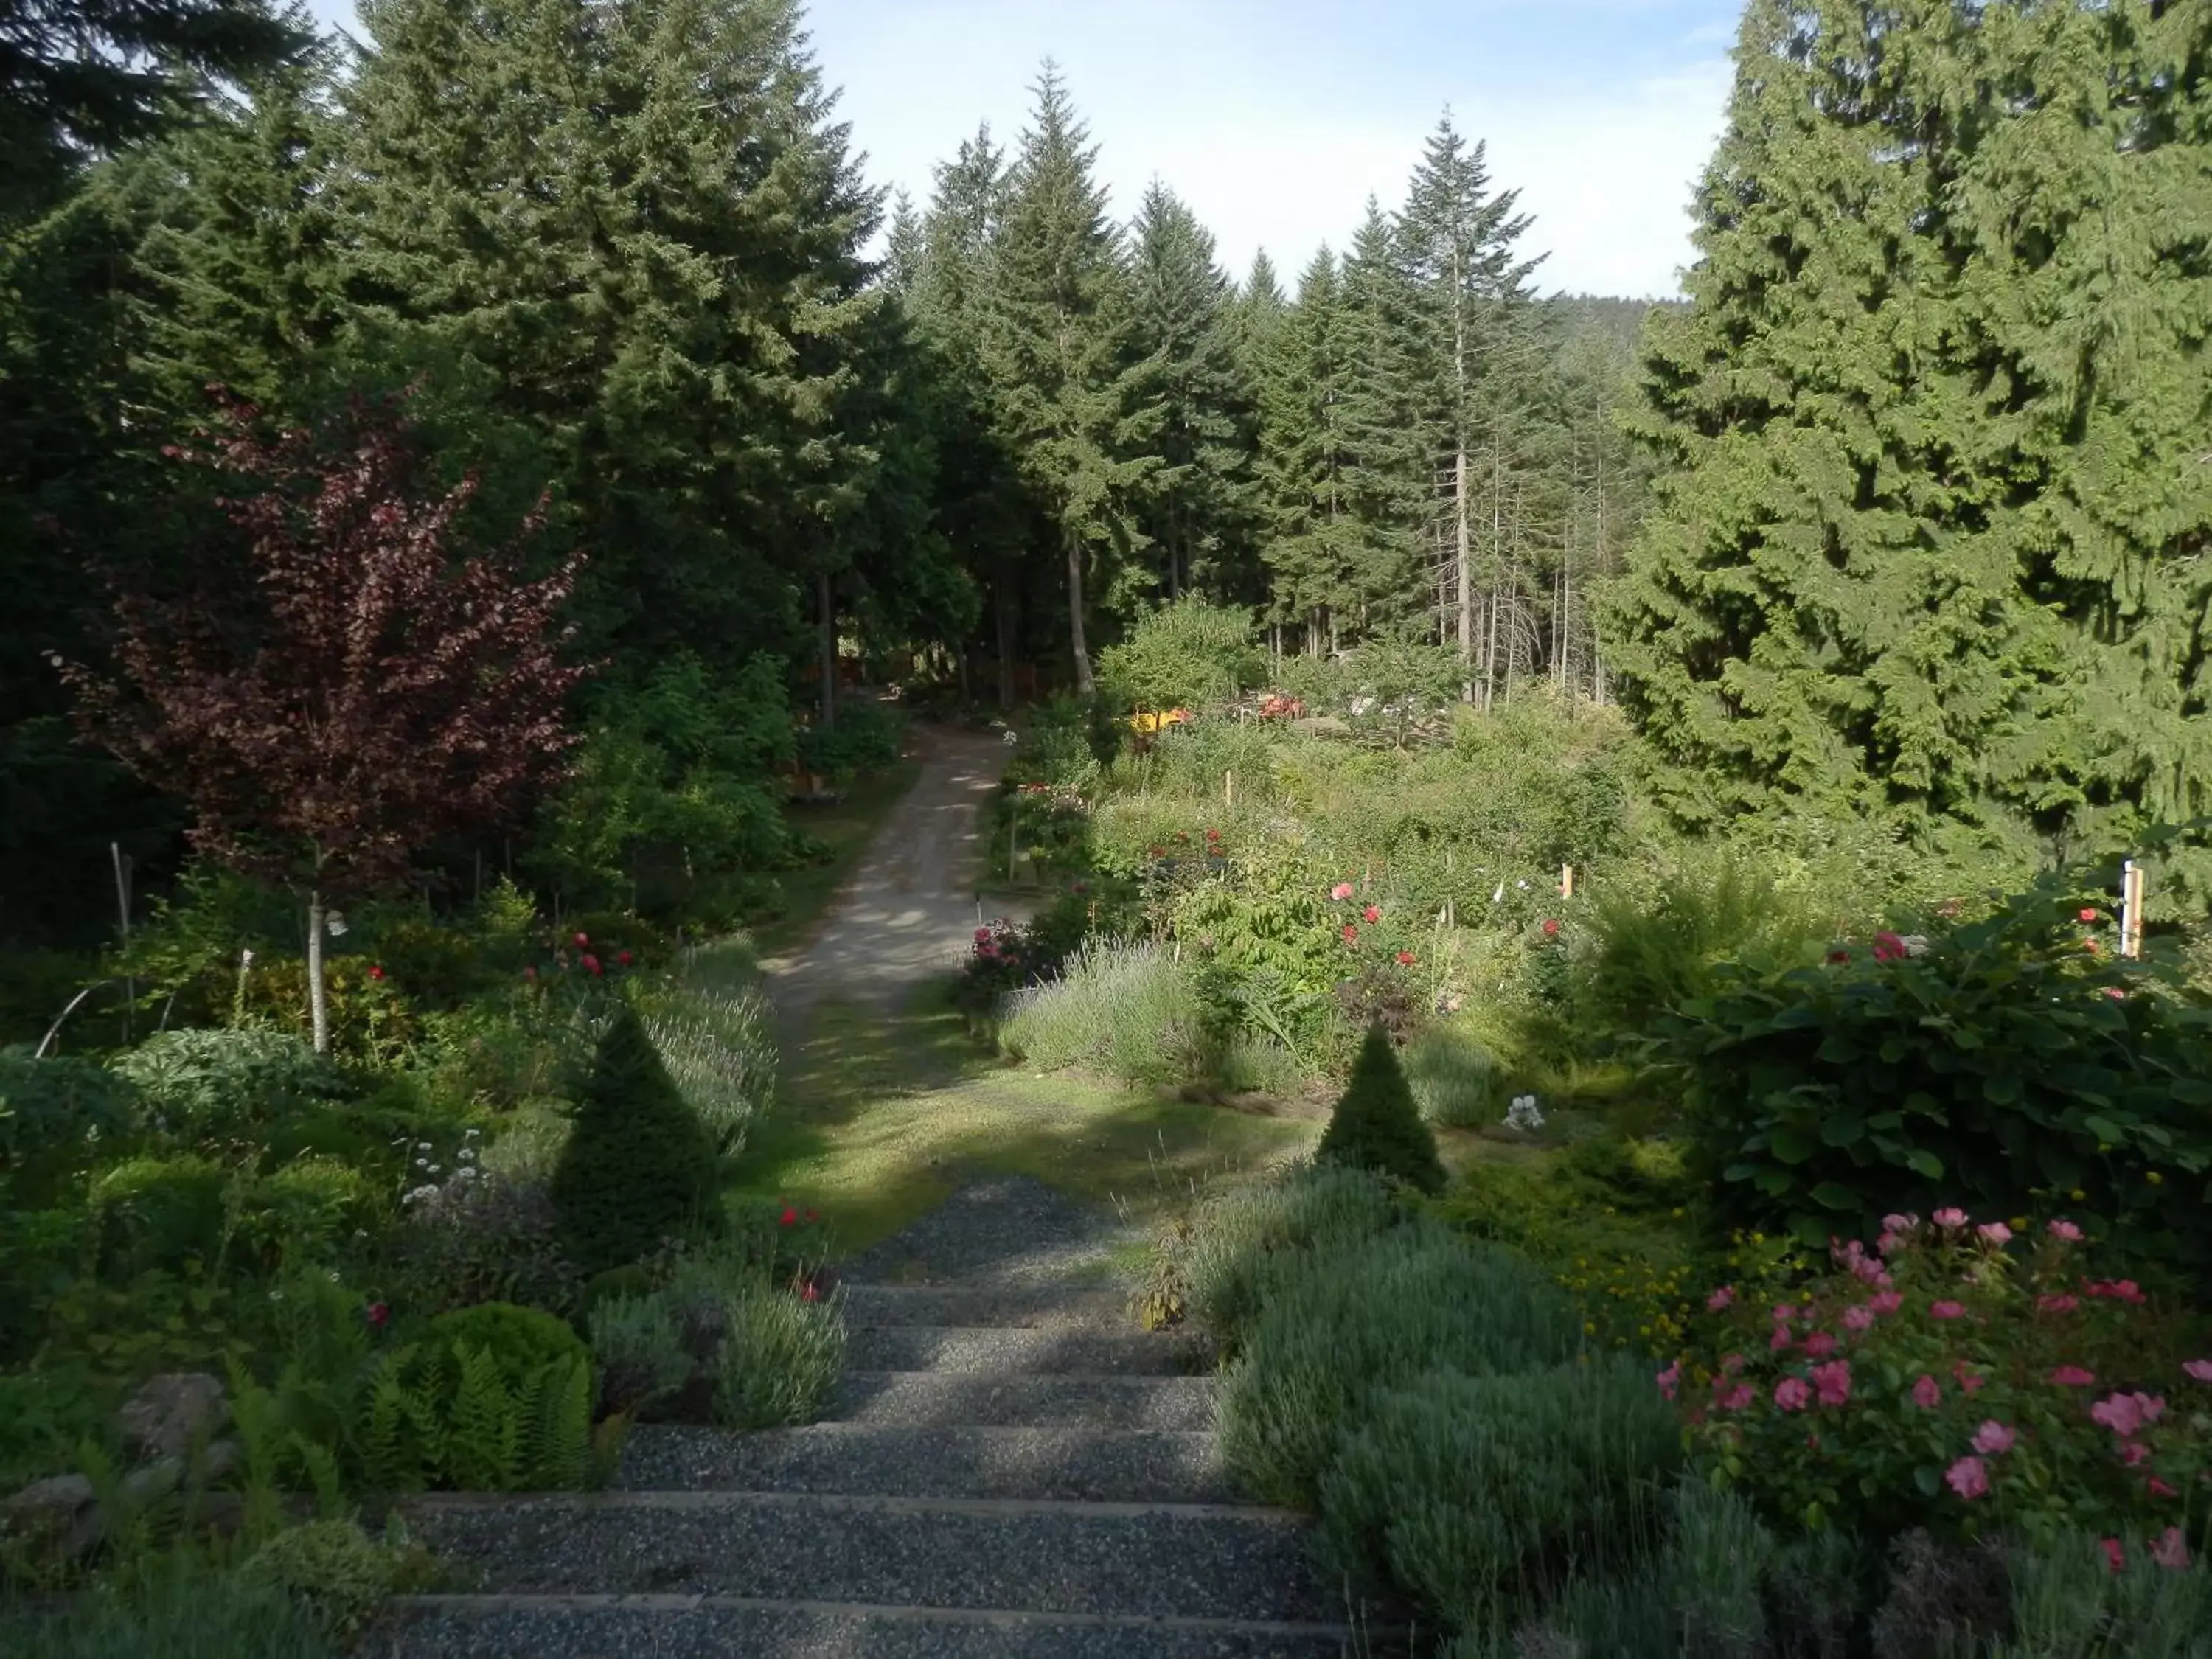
{"x": 1084, "y": 686}
{"x": 1005, "y": 608}
{"x": 318, "y": 1001}
{"x": 1463, "y": 559}
{"x": 826, "y": 625}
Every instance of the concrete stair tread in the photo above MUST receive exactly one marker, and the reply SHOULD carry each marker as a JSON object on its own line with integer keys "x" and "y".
{"x": 1006, "y": 1307}
{"x": 933, "y": 1399}
{"x": 1149, "y": 1560}
{"x": 725, "y": 1627}
{"x": 1041, "y": 1460}
{"x": 998, "y": 1350}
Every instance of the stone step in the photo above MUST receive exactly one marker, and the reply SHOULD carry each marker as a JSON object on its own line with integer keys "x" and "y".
{"x": 997, "y": 1351}
{"x": 1008, "y": 1306}
{"x": 944, "y": 1399}
{"x": 1106, "y": 1465}
{"x": 738, "y": 1627}
{"x": 1140, "y": 1560}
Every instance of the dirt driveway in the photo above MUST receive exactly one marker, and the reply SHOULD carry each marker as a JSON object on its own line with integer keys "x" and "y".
{"x": 909, "y": 911}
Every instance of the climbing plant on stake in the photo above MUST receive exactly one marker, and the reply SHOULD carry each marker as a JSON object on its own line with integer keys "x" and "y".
{"x": 340, "y": 688}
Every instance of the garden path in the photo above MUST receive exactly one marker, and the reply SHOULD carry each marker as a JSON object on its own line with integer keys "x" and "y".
{"x": 908, "y": 914}
{"x": 1008, "y": 1470}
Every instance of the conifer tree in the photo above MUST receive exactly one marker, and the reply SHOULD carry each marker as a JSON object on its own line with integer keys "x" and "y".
{"x": 1388, "y": 479}
{"x": 1305, "y": 514}
{"x": 1068, "y": 397}
{"x": 1377, "y": 1124}
{"x": 1929, "y": 529}
{"x": 1183, "y": 322}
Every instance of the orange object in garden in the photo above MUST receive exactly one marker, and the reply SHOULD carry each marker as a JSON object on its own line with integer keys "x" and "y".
{"x": 1146, "y": 720}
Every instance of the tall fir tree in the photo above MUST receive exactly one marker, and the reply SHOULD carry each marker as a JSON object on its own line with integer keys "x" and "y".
{"x": 1388, "y": 478}
{"x": 1306, "y": 523}
{"x": 1182, "y": 319}
{"x": 1927, "y": 543}
{"x": 1071, "y": 401}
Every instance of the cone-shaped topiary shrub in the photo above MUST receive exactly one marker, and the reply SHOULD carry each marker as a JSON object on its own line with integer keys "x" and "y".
{"x": 640, "y": 1166}
{"x": 1376, "y": 1125}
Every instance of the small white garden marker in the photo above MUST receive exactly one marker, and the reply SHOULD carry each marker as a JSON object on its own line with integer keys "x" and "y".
{"x": 1228, "y": 789}
{"x": 1566, "y": 881}
{"x": 2131, "y": 899}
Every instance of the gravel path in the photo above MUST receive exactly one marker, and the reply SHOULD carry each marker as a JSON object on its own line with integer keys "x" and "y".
{"x": 1010, "y": 1469}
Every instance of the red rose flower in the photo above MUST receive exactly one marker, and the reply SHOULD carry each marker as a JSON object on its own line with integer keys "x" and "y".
{"x": 378, "y": 1314}
{"x": 1350, "y": 933}
{"x": 1404, "y": 958}
{"x": 591, "y": 964}
{"x": 625, "y": 958}
{"x": 1370, "y": 913}
{"x": 376, "y": 971}
{"x": 789, "y": 1217}
{"x": 581, "y": 941}
{"x": 1551, "y": 928}
{"x": 2088, "y": 915}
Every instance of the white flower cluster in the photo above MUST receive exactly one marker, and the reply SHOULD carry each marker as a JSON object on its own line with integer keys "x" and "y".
{"x": 1522, "y": 1114}
{"x": 465, "y": 1167}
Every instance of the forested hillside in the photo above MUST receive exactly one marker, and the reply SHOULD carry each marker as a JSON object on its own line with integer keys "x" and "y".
{"x": 1928, "y": 438}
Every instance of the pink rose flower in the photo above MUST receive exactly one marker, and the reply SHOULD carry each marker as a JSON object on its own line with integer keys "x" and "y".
{"x": 1950, "y": 1218}
{"x": 2115, "y": 1556}
{"x": 1834, "y": 1380}
{"x": 1779, "y": 1340}
{"x": 2073, "y": 1376}
{"x": 1888, "y": 1301}
{"x": 1966, "y": 1379}
{"x": 1738, "y": 1397}
{"x": 1341, "y": 891}
{"x": 2057, "y": 1304}
{"x": 1720, "y": 1298}
{"x": 1731, "y": 1364}
{"x": 1890, "y": 1243}
{"x": 2065, "y": 1231}
{"x": 1782, "y": 1312}
{"x": 2158, "y": 1488}
{"x": 1791, "y": 1393}
{"x": 1899, "y": 1224}
{"x": 1968, "y": 1478}
{"x": 2133, "y": 1453}
{"x": 1869, "y": 1270}
{"x": 1669, "y": 1378}
{"x": 1927, "y": 1393}
{"x": 1860, "y": 1318}
{"x": 2119, "y": 1412}
{"x": 1993, "y": 1438}
{"x": 1995, "y": 1232}
{"x": 2171, "y": 1550}
{"x": 1948, "y": 1311}
{"x": 1819, "y": 1345}
{"x": 2199, "y": 1368}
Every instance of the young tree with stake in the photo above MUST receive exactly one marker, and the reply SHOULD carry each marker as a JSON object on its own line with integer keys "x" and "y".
{"x": 359, "y": 690}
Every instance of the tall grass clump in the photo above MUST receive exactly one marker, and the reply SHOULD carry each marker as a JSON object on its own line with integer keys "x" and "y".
{"x": 1376, "y": 1315}
{"x": 719, "y": 1046}
{"x": 175, "y": 1607}
{"x": 1126, "y": 1010}
{"x": 780, "y": 1356}
{"x": 1473, "y": 1492}
{"x": 1453, "y": 1076}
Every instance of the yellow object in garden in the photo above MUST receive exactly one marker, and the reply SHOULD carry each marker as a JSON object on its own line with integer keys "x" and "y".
{"x": 1147, "y": 720}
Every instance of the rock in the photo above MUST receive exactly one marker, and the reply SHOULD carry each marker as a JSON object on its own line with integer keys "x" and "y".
{"x": 172, "y": 1411}
{"x": 222, "y": 1460}
{"x": 56, "y": 1514}
{"x": 153, "y": 1482}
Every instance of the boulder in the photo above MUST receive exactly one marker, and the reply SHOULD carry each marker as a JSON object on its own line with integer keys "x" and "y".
{"x": 57, "y": 1514}
{"x": 171, "y": 1412}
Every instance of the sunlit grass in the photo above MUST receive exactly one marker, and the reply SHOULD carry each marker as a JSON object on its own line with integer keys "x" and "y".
{"x": 881, "y": 1118}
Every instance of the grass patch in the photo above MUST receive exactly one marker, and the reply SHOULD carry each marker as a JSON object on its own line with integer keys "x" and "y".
{"x": 878, "y": 1123}
{"x": 845, "y": 827}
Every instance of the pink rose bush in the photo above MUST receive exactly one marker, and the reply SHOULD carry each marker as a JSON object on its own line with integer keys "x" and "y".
{"x": 1992, "y": 1383}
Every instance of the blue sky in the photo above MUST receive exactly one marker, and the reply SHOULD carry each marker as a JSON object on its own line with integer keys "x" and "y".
{"x": 1277, "y": 118}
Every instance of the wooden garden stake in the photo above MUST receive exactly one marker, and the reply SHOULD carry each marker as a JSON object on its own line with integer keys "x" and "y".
{"x": 2132, "y": 898}
{"x": 1228, "y": 789}
{"x": 1566, "y": 881}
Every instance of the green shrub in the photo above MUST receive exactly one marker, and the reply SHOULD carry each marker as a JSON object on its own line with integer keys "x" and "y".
{"x": 1187, "y": 653}
{"x": 157, "y": 1211}
{"x": 302, "y": 1211}
{"x": 1126, "y": 1010}
{"x": 639, "y": 1167}
{"x": 1453, "y": 1078}
{"x": 2068, "y": 1602}
{"x": 213, "y": 1085}
{"x": 528, "y": 1146}
{"x": 519, "y": 1340}
{"x": 2004, "y": 1062}
{"x": 638, "y": 1341}
{"x": 1473, "y": 1493}
{"x": 494, "y": 1239}
{"x": 493, "y": 1398}
{"x": 1333, "y": 1327}
{"x": 1376, "y": 1126}
{"x": 333, "y": 1568}
{"x": 431, "y": 966}
{"x": 1239, "y": 1232}
{"x": 866, "y": 737}
{"x": 779, "y": 1357}
{"x": 1654, "y": 944}
{"x": 720, "y": 1048}
{"x": 52, "y": 1112}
